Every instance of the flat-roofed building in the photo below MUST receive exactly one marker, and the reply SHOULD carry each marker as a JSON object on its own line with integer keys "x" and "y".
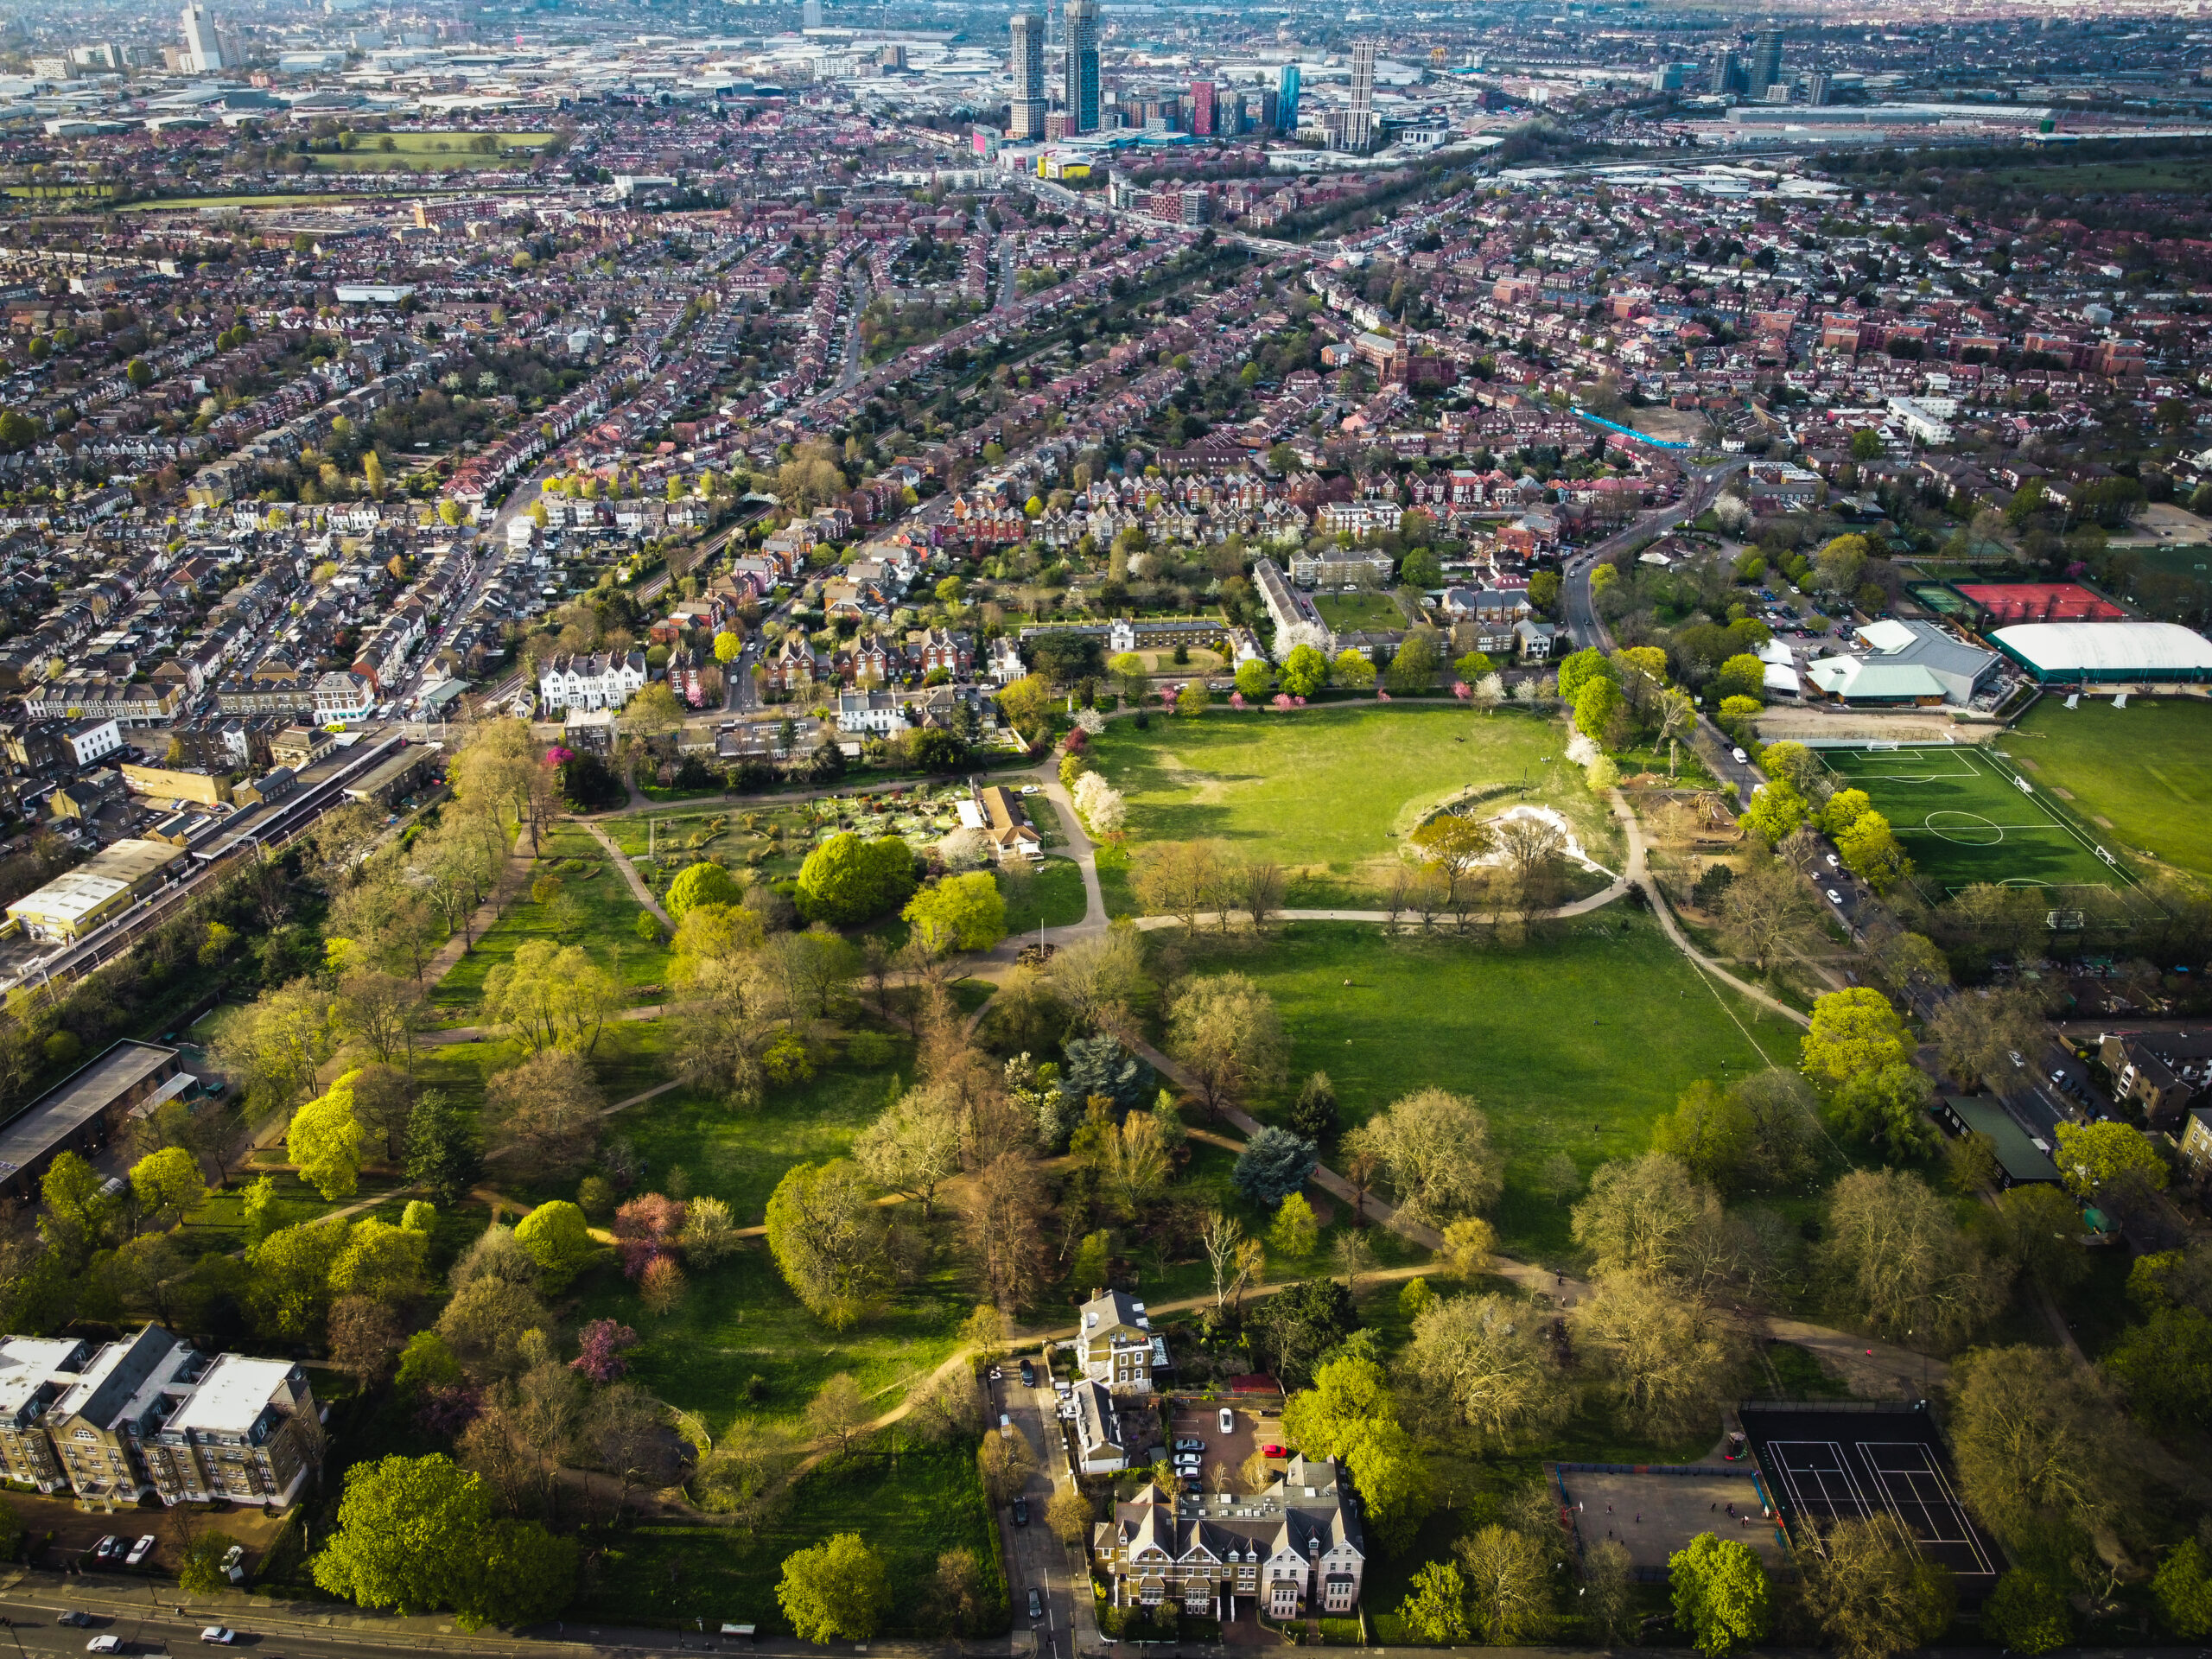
{"x": 81, "y": 1112}
{"x": 111, "y": 881}
{"x": 35, "y": 1373}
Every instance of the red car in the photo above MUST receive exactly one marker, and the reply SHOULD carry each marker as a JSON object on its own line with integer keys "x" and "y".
{"x": 1273, "y": 1452}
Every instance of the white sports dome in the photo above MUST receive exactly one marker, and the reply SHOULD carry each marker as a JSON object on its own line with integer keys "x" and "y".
{"x": 2106, "y": 650}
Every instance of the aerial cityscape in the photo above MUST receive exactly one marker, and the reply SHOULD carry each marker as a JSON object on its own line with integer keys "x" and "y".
{"x": 1014, "y": 829}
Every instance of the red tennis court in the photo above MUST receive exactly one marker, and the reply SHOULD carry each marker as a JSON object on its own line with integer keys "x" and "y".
{"x": 2042, "y": 601}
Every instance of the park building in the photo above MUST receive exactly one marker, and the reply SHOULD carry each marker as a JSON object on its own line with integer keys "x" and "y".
{"x": 150, "y": 1416}
{"x": 1292, "y": 1551}
{"x": 2107, "y": 653}
{"x": 1907, "y": 663}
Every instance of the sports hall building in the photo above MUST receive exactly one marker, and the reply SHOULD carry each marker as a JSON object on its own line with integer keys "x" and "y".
{"x": 2107, "y": 653}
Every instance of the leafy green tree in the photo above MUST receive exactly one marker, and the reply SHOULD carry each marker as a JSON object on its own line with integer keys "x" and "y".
{"x": 1296, "y": 1231}
{"x": 76, "y": 1218}
{"x": 202, "y": 1572}
{"x": 326, "y": 1140}
{"x": 380, "y": 1261}
{"x": 559, "y": 1240}
{"x": 259, "y": 1211}
{"x": 846, "y": 879}
{"x": 1853, "y": 1031}
{"x": 728, "y": 647}
{"x": 1100, "y": 1065}
{"x": 1871, "y": 852}
{"x": 1313, "y": 1115}
{"x": 407, "y": 1536}
{"x": 1886, "y": 1107}
{"x": 2183, "y": 1587}
{"x": 2092, "y": 1156}
{"x": 1252, "y": 679}
{"x": 2164, "y": 1363}
{"x": 1721, "y": 1594}
{"x": 524, "y": 1575}
{"x": 1350, "y": 1412}
{"x": 288, "y": 1282}
{"x": 964, "y": 912}
{"x": 1509, "y": 1583}
{"x": 427, "y": 1362}
{"x": 1435, "y": 1607}
{"x": 2042, "y": 1452}
{"x": 1302, "y": 1321}
{"x": 1711, "y": 1131}
{"x": 1306, "y": 670}
{"x": 1422, "y": 568}
{"x": 1578, "y": 669}
{"x": 1413, "y": 668}
{"x": 700, "y": 884}
{"x": 834, "y": 1591}
{"x": 167, "y": 1185}
{"x": 1273, "y": 1165}
{"x": 2028, "y": 1613}
{"x": 1775, "y": 812}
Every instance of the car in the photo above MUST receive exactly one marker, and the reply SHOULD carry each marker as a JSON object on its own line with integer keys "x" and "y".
{"x": 1273, "y": 1452}
{"x": 104, "y": 1644}
{"x": 1036, "y": 1602}
{"x": 1834, "y": 898}
{"x": 1834, "y": 863}
{"x": 219, "y": 1636}
{"x": 234, "y": 1563}
{"x": 106, "y": 1550}
{"x": 1028, "y": 1373}
{"x": 2058, "y": 1077}
{"x": 1227, "y": 1421}
{"x": 139, "y": 1551}
{"x": 75, "y": 1618}
{"x": 997, "y": 1375}
{"x": 1006, "y": 1424}
{"x": 1029, "y": 789}
{"x": 1020, "y": 1511}
{"x": 2013, "y": 1055}
{"x": 1190, "y": 1443}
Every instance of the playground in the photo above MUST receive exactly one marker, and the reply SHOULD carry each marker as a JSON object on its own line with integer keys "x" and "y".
{"x": 1966, "y": 815}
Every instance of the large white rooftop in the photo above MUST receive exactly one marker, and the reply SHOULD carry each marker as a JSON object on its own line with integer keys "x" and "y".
{"x": 2106, "y": 647}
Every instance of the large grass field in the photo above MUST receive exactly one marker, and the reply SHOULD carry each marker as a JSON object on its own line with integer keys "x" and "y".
{"x": 2144, "y": 772}
{"x": 1963, "y": 820}
{"x": 1359, "y": 610}
{"x": 1327, "y": 791}
{"x": 1575, "y": 1043}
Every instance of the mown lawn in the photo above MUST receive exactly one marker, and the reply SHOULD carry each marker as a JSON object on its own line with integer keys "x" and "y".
{"x": 910, "y": 1502}
{"x": 1051, "y": 897}
{"x": 593, "y": 907}
{"x": 1329, "y": 791}
{"x": 2143, "y": 773}
{"x": 1576, "y": 1042}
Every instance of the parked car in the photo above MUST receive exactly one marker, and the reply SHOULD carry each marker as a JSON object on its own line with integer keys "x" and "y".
{"x": 2013, "y": 1054}
{"x": 1742, "y": 759}
{"x": 75, "y": 1618}
{"x": 104, "y": 1644}
{"x": 1006, "y": 1424}
{"x": 996, "y": 1374}
{"x": 1020, "y": 1511}
{"x": 1834, "y": 898}
{"x": 219, "y": 1636}
{"x": 1273, "y": 1452}
{"x": 1028, "y": 1374}
{"x": 1036, "y": 1602}
{"x": 1834, "y": 863}
{"x": 1227, "y": 1421}
{"x": 1190, "y": 1443}
{"x": 139, "y": 1551}
{"x": 108, "y": 1551}
{"x": 234, "y": 1563}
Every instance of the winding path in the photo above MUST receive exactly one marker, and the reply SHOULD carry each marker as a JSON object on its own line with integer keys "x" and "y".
{"x": 638, "y": 890}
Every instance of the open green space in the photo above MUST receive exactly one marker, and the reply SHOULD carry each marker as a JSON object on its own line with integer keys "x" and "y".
{"x": 2193, "y": 559}
{"x": 1964, "y": 820}
{"x": 2144, "y": 771}
{"x": 1574, "y": 1043}
{"x": 593, "y": 907}
{"x": 2178, "y": 176}
{"x": 1359, "y": 610}
{"x": 910, "y": 1502}
{"x": 1327, "y": 791}
{"x": 1050, "y": 897}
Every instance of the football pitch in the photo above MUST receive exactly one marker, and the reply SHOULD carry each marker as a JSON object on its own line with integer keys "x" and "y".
{"x": 1964, "y": 817}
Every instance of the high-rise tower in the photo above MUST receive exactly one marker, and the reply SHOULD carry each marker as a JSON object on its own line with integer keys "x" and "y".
{"x": 1359, "y": 130}
{"x": 1082, "y": 70}
{"x": 203, "y": 49}
{"x": 1287, "y": 99}
{"x": 1766, "y": 60}
{"x": 1025, "y": 118}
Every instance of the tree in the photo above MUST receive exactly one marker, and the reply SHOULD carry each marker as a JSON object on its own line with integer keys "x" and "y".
{"x": 559, "y": 1240}
{"x": 380, "y": 1261}
{"x": 1854, "y": 1032}
{"x": 410, "y": 1536}
{"x": 1720, "y": 1592}
{"x": 913, "y": 1147}
{"x": 834, "y": 1591}
{"x": 326, "y": 1141}
{"x": 1353, "y": 670}
{"x": 2039, "y": 1446}
{"x": 1413, "y": 667}
{"x": 1435, "y": 1148}
{"x": 957, "y": 1590}
{"x": 1775, "y": 812}
{"x": 1252, "y": 679}
{"x": 288, "y": 1286}
{"x": 1509, "y": 1583}
{"x": 1710, "y": 1131}
{"x": 838, "y": 1412}
{"x": 1306, "y": 670}
{"x": 167, "y": 1185}
{"x": 1228, "y": 1035}
{"x": 382, "y": 1011}
{"x": 1302, "y": 1321}
{"x": 1600, "y": 712}
{"x": 963, "y": 912}
{"x": 1666, "y": 1356}
{"x": 2028, "y": 1613}
{"x": 828, "y": 1241}
{"x": 1870, "y": 1592}
{"x": 1468, "y": 1243}
{"x": 277, "y": 1044}
{"x": 1273, "y": 1165}
{"x": 1179, "y": 878}
{"x": 1313, "y": 1115}
{"x": 846, "y": 879}
{"x": 1435, "y": 1607}
{"x": 2183, "y": 1587}
{"x": 363, "y": 1336}
{"x": 1294, "y": 1230}
{"x": 1887, "y": 1109}
{"x": 544, "y": 1116}
{"x": 1486, "y": 1366}
{"x": 1895, "y": 1250}
{"x": 700, "y": 884}
{"x": 441, "y": 1151}
{"x": 1069, "y": 1515}
{"x": 202, "y": 1571}
{"x": 1768, "y": 910}
{"x": 1005, "y": 1460}
{"x": 1871, "y": 852}
{"x": 2093, "y": 1156}
{"x": 1350, "y": 1413}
